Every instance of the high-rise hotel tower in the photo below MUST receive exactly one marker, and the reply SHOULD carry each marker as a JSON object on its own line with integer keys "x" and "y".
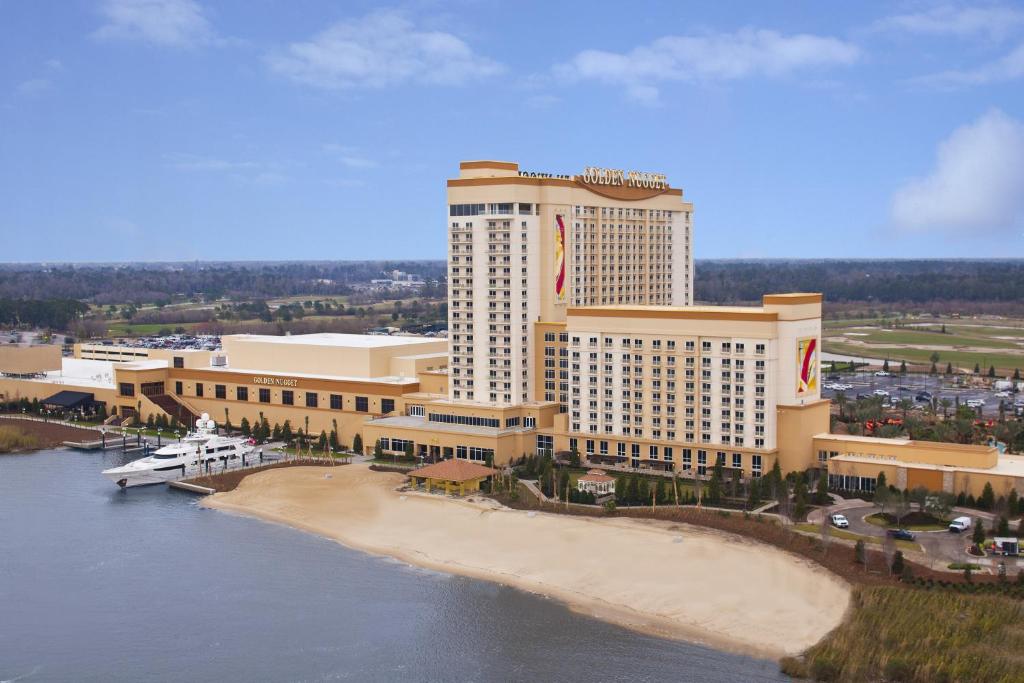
{"x": 524, "y": 246}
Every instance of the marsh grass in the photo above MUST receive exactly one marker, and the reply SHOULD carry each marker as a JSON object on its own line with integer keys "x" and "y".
{"x": 907, "y": 634}
{"x": 13, "y": 439}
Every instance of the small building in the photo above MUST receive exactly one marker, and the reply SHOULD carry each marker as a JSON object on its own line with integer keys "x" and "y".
{"x": 596, "y": 482}
{"x": 454, "y": 476}
{"x": 71, "y": 402}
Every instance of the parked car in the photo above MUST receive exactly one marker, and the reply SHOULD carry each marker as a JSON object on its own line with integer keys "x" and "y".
{"x": 839, "y": 521}
{"x": 1002, "y": 394}
{"x": 880, "y": 392}
{"x": 960, "y": 524}
{"x": 833, "y": 377}
{"x": 900, "y": 534}
{"x": 882, "y": 373}
{"x": 975, "y": 403}
{"x": 924, "y": 396}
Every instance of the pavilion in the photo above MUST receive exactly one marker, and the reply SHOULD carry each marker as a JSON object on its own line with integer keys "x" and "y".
{"x": 454, "y": 476}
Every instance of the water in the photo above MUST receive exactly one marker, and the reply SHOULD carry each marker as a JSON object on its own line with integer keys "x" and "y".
{"x": 98, "y": 584}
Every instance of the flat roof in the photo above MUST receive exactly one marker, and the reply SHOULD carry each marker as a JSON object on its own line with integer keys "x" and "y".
{"x": 907, "y": 443}
{"x": 386, "y": 379}
{"x": 338, "y": 339}
{"x": 751, "y": 313}
{"x": 1006, "y": 465}
{"x": 414, "y": 422}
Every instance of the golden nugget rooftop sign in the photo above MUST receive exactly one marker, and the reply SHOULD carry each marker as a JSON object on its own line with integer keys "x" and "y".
{"x": 276, "y": 381}
{"x": 592, "y": 175}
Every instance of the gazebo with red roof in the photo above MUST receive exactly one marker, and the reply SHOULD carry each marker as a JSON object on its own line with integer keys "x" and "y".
{"x": 452, "y": 475}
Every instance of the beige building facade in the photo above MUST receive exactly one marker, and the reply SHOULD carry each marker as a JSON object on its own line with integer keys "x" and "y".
{"x": 525, "y": 246}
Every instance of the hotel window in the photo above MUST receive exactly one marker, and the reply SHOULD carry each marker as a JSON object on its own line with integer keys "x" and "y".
{"x": 288, "y": 397}
{"x": 668, "y": 454}
{"x": 242, "y": 393}
{"x": 529, "y": 422}
{"x": 220, "y": 391}
{"x": 335, "y": 401}
{"x": 687, "y": 458}
{"x": 199, "y": 389}
{"x": 179, "y": 362}
{"x": 387, "y": 405}
{"x": 264, "y": 395}
{"x": 127, "y": 389}
{"x": 737, "y": 461}
{"x": 653, "y": 452}
{"x": 620, "y": 449}
{"x": 311, "y": 399}
{"x": 755, "y": 465}
{"x": 702, "y": 462}
{"x": 362, "y": 404}
{"x": 178, "y": 388}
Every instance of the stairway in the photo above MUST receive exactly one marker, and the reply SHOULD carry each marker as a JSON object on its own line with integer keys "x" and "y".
{"x": 173, "y": 408}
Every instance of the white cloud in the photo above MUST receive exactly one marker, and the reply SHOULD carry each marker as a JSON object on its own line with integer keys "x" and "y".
{"x": 170, "y": 23}
{"x": 708, "y": 57}
{"x": 381, "y": 49}
{"x": 192, "y": 162}
{"x": 33, "y": 86}
{"x": 1007, "y": 68}
{"x": 977, "y": 185}
{"x": 993, "y": 22}
{"x": 349, "y": 156}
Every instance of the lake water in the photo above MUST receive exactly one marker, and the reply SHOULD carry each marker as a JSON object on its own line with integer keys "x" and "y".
{"x": 98, "y": 584}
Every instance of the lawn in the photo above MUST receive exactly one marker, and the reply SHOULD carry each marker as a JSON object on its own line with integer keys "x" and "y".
{"x": 909, "y": 336}
{"x": 914, "y": 521}
{"x": 910, "y": 634}
{"x": 960, "y": 359}
{"x": 850, "y": 536}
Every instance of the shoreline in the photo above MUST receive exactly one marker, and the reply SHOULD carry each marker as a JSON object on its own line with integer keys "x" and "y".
{"x": 772, "y": 604}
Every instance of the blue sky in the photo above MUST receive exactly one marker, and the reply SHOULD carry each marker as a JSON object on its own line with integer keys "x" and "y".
{"x": 191, "y": 129}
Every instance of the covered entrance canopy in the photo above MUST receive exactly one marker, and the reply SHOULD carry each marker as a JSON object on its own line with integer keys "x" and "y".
{"x": 454, "y": 476}
{"x": 70, "y": 401}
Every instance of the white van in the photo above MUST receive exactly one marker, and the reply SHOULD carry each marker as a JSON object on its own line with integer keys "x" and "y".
{"x": 960, "y": 524}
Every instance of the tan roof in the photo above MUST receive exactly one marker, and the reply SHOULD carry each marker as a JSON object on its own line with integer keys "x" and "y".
{"x": 453, "y": 470}
{"x": 596, "y": 476}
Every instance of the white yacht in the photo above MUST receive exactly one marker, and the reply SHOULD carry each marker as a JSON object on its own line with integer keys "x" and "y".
{"x": 187, "y": 457}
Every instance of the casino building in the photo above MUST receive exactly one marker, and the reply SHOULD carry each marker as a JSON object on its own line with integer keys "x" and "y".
{"x": 571, "y": 328}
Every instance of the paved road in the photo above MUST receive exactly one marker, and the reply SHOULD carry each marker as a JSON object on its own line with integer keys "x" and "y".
{"x": 912, "y": 384}
{"x": 940, "y": 547}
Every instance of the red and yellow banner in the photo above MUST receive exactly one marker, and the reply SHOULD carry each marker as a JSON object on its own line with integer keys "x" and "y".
{"x": 807, "y": 365}
{"x": 559, "y": 258}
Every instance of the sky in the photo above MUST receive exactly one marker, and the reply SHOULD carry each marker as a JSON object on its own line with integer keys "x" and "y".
{"x": 157, "y": 130}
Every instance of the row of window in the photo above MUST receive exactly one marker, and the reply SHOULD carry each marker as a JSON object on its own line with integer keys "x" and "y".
{"x": 311, "y": 398}
{"x": 660, "y": 453}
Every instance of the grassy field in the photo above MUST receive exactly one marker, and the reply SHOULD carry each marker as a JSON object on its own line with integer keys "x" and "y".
{"x": 14, "y": 439}
{"x": 964, "y": 344}
{"x": 1004, "y": 363}
{"x": 905, "y": 336}
{"x": 850, "y": 536}
{"x": 906, "y": 634}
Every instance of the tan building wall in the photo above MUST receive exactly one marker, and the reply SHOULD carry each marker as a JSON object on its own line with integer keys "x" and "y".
{"x": 29, "y": 360}
{"x": 342, "y": 355}
{"x": 189, "y": 358}
{"x": 797, "y": 426}
{"x": 12, "y": 389}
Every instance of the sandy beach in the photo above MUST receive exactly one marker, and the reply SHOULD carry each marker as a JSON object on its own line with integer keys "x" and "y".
{"x": 675, "y": 581}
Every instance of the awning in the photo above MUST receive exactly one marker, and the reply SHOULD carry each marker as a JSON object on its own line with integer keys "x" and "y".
{"x": 70, "y": 400}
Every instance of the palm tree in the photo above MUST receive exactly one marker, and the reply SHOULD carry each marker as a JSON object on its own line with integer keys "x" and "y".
{"x": 841, "y": 402}
{"x": 905, "y": 404}
{"x": 946, "y": 405}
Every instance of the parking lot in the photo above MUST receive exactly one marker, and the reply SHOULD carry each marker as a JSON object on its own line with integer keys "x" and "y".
{"x": 910, "y": 385}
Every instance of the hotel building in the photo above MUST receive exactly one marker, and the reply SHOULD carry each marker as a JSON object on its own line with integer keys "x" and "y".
{"x": 523, "y": 247}
{"x": 571, "y": 329}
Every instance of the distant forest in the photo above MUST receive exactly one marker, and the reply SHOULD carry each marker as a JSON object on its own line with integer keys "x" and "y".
{"x": 869, "y": 287}
{"x": 164, "y": 282}
{"x": 893, "y": 281}
{"x": 45, "y": 295}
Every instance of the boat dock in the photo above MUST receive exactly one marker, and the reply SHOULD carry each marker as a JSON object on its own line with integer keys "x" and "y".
{"x": 191, "y": 488}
